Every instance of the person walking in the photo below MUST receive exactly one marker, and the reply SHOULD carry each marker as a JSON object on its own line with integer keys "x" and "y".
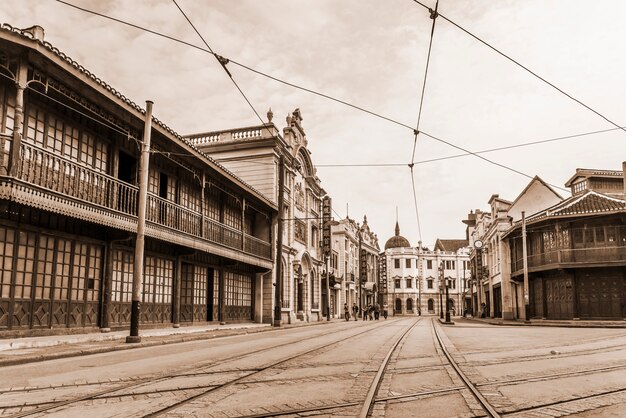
{"x": 385, "y": 310}
{"x": 346, "y": 311}
{"x": 377, "y": 311}
{"x": 370, "y": 312}
{"x": 355, "y": 311}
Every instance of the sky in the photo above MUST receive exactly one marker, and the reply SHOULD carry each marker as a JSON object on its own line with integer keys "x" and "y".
{"x": 373, "y": 54}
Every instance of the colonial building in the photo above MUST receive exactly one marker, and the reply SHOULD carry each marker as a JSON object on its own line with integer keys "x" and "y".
{"x": 257, "y": 154}
{"x": 70, "y": 145}
{"x": 417, "y": 277}
{"x": 354, "y": 265}
{"x": 575, "y": 250}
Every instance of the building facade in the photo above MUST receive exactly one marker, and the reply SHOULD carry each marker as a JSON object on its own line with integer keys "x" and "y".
{"x": 257, "y": 154}
{"x": 355, "y": 265}
{"x": 416, "y": 277}
{"x": 575, "y": 253}
{"x": 69, "y": 197}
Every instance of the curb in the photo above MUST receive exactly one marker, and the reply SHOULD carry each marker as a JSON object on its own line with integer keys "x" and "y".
{"x": 164, "y": 340}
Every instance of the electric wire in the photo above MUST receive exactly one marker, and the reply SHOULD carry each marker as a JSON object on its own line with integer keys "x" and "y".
{"x": 222, "y": 61}
{"x": 523, "y": 67}
{"x": 433, "y": 16}
{"x": 290, "y": 84}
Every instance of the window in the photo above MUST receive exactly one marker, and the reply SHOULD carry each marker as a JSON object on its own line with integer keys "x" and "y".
{"x": 397, "y": 283}
{"x": 429, "y": 283}
{"x": 450, "y": 265}
{"x": 429, "y": 264}
{"x": 396, "y": 263}
{"x": 408, "y": 263}
{"x": 409, "y": 283}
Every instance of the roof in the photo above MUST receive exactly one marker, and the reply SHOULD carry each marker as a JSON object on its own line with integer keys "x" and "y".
{"x": 592, "y": 172}
{"x": 29, "y": 35}
{"x": 397, "y": 241}
{"x": 529, "y": 185}
{"x": 587, "y": 204}
{"x": 452, "y": 245}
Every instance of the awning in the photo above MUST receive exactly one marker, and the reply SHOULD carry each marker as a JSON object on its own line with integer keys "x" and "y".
{"x": 370, "y": 287}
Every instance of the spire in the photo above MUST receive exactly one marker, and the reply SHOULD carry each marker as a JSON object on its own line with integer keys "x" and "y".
{"x": 397, "y": 229}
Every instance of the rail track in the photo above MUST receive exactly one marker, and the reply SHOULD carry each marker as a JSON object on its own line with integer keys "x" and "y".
{"x": 130, "y": 386}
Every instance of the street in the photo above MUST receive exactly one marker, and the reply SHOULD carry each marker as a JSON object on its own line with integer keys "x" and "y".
{"x": 392, "y": 368}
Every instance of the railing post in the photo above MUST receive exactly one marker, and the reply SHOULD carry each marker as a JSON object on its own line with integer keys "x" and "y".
{"x": 18, "y": 121}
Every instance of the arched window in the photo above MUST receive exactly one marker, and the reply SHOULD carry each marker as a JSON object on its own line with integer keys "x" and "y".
{"x": 398, "y": 305}
{"x": 409, "y": 305}
{"x": 431, "y": 305}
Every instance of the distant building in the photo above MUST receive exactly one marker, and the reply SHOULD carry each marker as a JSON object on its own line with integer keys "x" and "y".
{"x": 417, "y": 277}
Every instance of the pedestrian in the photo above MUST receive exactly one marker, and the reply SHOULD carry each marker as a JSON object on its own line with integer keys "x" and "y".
{"x": 377, "y": 312}
{"x": 370, "y": 312}
{"x": 355, "y": 311}
{"x": 346, "y": 311}
{"x": 385, "y": 310}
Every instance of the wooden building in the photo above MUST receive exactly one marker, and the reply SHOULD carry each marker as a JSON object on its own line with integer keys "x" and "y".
{"x": 576, "y": 250}
{"x": 69, "y": 148}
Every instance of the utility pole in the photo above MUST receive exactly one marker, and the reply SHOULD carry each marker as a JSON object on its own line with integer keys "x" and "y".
{"x": 278, "y": 290}
{"x": 144, "y": 163}
{"x": 525, "y": 264}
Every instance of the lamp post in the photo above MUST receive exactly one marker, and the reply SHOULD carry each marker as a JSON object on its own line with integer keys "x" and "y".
{"x": 447, "y": 283}
{"x": 440, "y": 303}
{"x": 440, "y": 290}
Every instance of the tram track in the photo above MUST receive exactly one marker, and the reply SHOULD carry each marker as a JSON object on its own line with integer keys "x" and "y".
{"x": 367, "y": 403}
{"x": 492, "y": 411}
{"x": 143, "y": 381}
{"x": 124, "y": 390}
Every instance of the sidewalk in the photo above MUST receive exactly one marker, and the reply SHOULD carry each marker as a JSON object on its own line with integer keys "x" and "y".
{"x": 548, "y": 323}
{"x": 14, "y": 351}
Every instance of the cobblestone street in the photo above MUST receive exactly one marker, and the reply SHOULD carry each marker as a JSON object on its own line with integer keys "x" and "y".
{"x": 391, "y": 368}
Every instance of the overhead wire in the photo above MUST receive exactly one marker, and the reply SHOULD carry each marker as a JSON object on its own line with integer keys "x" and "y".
{"x": 433, "y": 16}
{"x": 224, "y": 61}
{"x": 523, "y": 67}
{"x": 265, "y": 75}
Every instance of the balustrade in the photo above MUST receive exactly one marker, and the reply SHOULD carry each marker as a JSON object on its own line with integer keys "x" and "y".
{"x": 58, "y": 174}
{"x": 52, "y": 172}
{"x": 607, "y": 254}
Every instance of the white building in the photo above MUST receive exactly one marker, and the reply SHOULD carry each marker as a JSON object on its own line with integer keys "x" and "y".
{"x": 414, "y": 282}
{"x": 254, "y": 154}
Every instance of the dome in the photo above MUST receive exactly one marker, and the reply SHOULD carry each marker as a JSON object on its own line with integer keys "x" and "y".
{"x": 397, "y": 241}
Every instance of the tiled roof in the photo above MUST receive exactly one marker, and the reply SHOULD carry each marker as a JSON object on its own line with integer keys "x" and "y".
{"x": 83, "y": 70}
{"x": 586, "y": 204}
{"x": 452, "y": 245}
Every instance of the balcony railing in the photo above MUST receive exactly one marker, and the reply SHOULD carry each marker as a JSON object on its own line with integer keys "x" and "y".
{"x": 256, "y": 246}
{"x": 65, "y": 177}
{"x": 573, "y": 256}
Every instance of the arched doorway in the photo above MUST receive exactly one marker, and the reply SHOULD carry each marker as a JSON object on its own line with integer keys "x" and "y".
{"x": 431, "y": 306}
{"x": 398, "y": 307}
{"x": 409, "y": 305}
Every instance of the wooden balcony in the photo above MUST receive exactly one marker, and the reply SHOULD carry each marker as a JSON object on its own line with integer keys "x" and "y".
{"x": 572, "y": 258}
{"x": 55, "y": 181}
